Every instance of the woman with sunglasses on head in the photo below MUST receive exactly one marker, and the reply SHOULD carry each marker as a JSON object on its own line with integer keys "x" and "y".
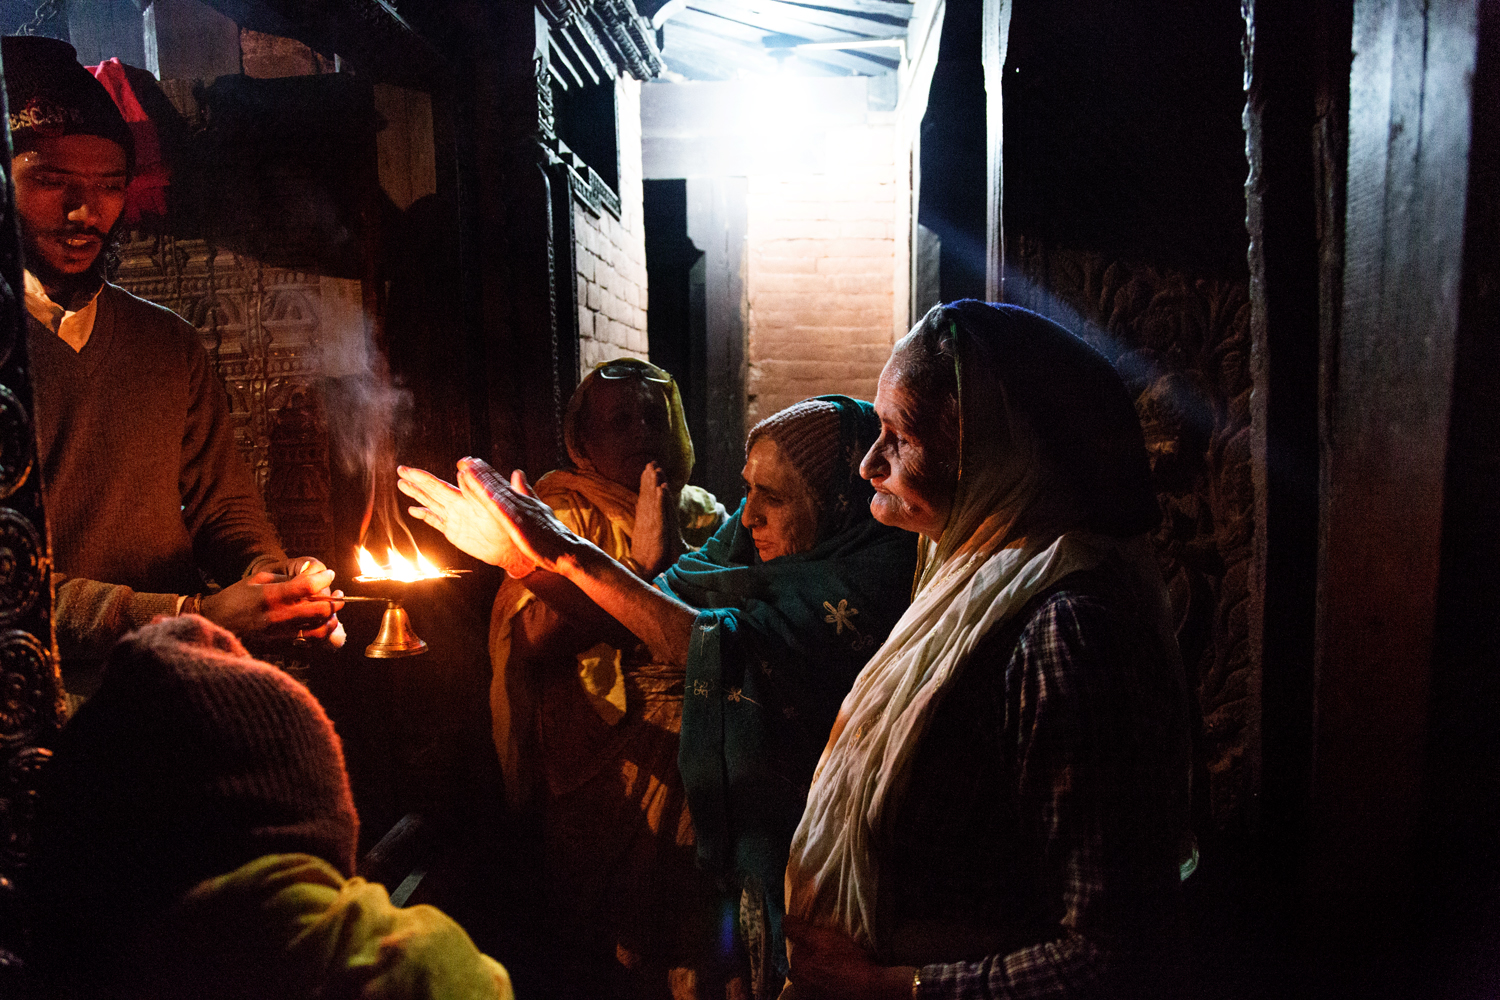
{"x": 754, "y": 640}
{"x": 558, "y": 691}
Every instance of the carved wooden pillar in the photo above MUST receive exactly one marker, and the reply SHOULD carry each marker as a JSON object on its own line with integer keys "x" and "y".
{"x": 531, "y": 308}
{"x": 516, "y": 216}
{"x": 30, "y": 685}
{"x": 1293, "y": 222}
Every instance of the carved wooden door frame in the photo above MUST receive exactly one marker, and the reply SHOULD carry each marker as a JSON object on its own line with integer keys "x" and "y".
{"x": 31, "y": 706}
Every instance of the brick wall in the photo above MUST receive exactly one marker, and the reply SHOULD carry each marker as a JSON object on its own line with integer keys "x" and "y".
{"x": 612, "y": 254}
{"x": 820, "y": 277}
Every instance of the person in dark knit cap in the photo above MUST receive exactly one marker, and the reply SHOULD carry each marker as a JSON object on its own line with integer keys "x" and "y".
{"x": 146, "y": 492}
{"x": 196, "y": 835}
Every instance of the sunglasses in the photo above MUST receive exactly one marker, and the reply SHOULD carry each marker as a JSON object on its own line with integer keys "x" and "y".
{"x": 616, "y": 369}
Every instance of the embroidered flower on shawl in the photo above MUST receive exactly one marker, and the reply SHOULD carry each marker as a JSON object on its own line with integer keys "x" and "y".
{"x": 841, "y": 617}
{"x": 700, "y": 688}
{"x": 738, "y": 695}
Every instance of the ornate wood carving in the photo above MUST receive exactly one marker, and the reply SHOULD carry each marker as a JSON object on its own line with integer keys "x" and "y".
{"x": 607, "y": 33}
{"x": 1184, "y": 348}
{"x": 31, "y": 705}
{"x": 262, "y": 327}
{"x": 587, "y": 187}
{"x": 583, "y": 182}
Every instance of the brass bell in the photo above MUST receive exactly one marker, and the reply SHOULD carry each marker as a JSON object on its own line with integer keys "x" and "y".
{"x": 395, "y": 638}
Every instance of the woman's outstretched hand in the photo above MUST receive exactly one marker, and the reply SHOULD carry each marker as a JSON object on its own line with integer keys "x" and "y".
{"x": 496, "y": 522}
{"x": 466, "y": 517}
{"x": 538, "y": 536}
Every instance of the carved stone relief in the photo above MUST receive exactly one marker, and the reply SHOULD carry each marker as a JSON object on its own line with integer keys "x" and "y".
{"x": 1183, "y": 346}
{"x": 262, "y": 328}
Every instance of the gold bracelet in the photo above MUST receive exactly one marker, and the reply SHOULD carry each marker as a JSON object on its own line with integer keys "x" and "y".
{"x": 193, "y": 605}
{"x": 916, "y": 983}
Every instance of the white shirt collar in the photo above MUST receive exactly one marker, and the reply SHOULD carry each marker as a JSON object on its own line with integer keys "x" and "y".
{"x": 73, "y": 326}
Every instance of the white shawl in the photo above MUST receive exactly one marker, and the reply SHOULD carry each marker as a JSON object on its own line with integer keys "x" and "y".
{"x": 832, "y": 879}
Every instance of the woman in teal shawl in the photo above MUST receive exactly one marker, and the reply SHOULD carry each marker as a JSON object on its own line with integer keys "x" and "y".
{"x": 772, "y": 619}
{"x": 771, "y": 658}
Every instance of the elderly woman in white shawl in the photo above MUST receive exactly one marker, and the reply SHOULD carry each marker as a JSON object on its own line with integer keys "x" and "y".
{"x": 1002, "y": 806}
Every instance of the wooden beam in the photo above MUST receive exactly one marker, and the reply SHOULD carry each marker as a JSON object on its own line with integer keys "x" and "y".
{"x": 1293, "y": 217}
{"x": 716, "y": 24}
{"x": 697, "y": 63}
{"x": 883, "y": 8}
{"x": 188, "y": 40}
{"x": 813, "y": 26}
{"x": 855, "y": 24}
{"x": 593, "y": 51}
{"x": 101, "y": 29}
{"x": 721, "y": 47}
{"x": 745, "y": 51}
{"x": 860, "y": 60}
{"x": 369, "y": 34}
{"x": 1385, "y": 441}
{"x": 717, "y": 219}
{"x": 832, "y": 61}
{"x": 559, "y": 57}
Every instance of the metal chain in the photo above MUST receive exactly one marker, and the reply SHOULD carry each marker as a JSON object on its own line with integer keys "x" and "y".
{"x": 45, "y": 11}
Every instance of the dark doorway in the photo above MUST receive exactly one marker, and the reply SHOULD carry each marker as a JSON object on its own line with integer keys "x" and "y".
{"x": 695, "y": 236}
{"x": 675, "y": 319}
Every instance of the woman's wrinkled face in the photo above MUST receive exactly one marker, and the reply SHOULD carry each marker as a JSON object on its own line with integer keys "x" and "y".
{"x": 912, "y": 473}
{"x": 779, "y": 510}
{"x": 625, "y": 426}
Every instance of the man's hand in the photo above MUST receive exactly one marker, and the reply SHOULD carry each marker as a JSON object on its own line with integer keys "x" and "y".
{"x": 830, "y": 965}
{"x": 270, "y": 606}
{"x": 297, "y": 566}
{"x": 656, "y": 540}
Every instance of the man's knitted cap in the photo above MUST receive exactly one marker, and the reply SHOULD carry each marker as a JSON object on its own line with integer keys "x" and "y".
{"x": 808, "y": 435}
{"x": 51, "y": 95}
{"x": 191, "y": 760}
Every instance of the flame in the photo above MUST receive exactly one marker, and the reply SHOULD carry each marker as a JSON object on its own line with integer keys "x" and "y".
{"x": 368, "y": 567}
{"x": 397, "y": 567}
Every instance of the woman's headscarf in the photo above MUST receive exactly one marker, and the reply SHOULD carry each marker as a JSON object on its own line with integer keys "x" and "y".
{"x": 1047, "y": 432}
{"x": 1052, "y": 479}
{"x": 677, "y": 461}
